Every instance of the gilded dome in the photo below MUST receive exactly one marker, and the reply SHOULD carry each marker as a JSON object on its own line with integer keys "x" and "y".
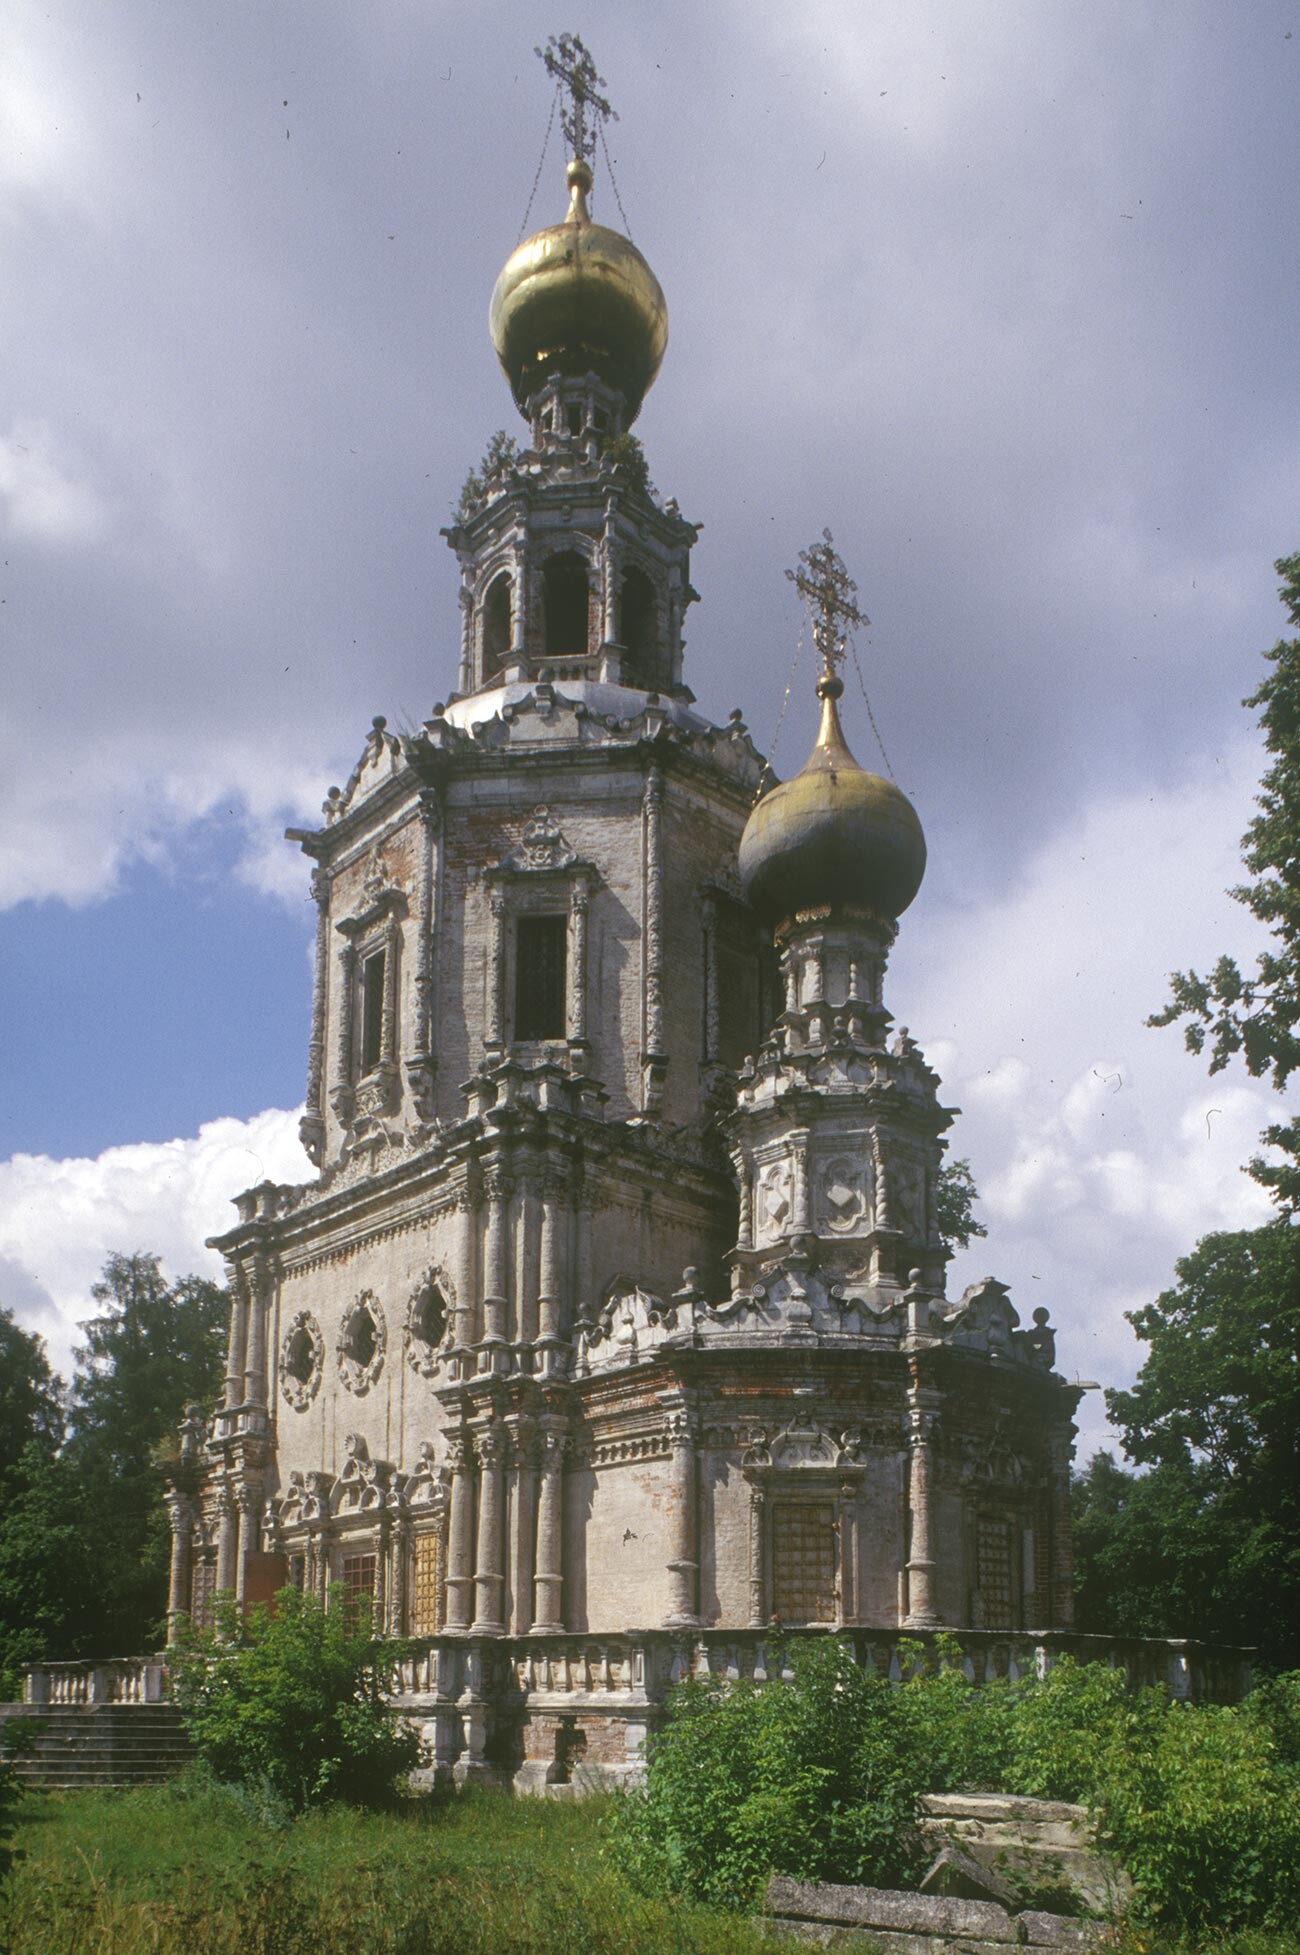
{"x": 578, "y": 298}
{"x": 833, "y": 835}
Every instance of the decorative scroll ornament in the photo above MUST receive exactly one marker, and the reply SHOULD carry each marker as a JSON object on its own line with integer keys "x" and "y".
{"x": 541, "y": 846}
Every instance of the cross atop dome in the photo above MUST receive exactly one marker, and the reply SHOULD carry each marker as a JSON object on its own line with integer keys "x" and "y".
{"x": 567, "y": 58}
{"x": 831, "y": 596}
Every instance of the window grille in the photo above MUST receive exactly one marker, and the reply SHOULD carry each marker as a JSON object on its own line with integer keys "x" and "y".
{"x": 426, "y": 1585}
{"x": 203, "y": 1588}
{"x": 803, "y": 1560}
{"x": 995, "y": 1573}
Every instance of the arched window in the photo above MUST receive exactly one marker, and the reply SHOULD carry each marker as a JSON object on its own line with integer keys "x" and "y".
{"x": 566, "y": 599}
{"x": 496, "y": 623}
{"x": 638, "y": 629}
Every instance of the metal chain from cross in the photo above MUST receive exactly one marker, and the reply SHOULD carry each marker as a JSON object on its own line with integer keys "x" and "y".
{"x": 567, "y": 59}
{"x": 831, "y": 596}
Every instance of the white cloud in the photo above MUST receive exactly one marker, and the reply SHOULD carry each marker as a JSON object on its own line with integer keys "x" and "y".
{"x": 41, "y": 495}
{"x": 1102, "y": 1150}
{"x": 60, "y": 1220}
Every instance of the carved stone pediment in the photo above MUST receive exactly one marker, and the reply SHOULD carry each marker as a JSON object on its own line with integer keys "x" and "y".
{"x": 541, "y": 848}
{"x": 804, "y": 1446}
{"x": 428, "y": 1488}
{"x": 380, "y": 897}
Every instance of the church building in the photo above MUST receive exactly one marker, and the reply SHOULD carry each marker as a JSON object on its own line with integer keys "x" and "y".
{"x": 611, "y": 1339}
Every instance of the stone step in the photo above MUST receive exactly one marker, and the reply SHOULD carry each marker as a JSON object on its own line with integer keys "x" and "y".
{"x": 109, "y": 1745}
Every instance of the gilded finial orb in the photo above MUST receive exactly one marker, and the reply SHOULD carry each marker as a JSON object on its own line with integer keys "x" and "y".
{"x": 835, "y": 835}
{"x": 577, "y": 297}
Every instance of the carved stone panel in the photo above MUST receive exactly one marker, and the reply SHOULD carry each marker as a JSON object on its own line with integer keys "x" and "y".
{"x": 843, "y": 1195}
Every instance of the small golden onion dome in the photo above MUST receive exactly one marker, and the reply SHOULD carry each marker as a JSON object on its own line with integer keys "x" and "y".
{"x": 833, "y": 835}
{"x": 578, "y": 298}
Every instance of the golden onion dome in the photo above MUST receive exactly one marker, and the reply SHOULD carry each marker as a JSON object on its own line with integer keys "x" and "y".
{"x": 579, "y": 298}
{"x": 833, "y": 835}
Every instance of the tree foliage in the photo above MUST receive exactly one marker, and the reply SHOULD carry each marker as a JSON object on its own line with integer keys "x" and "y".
{"x": 1255, "y": 1013}
{"x": 1215, "y": 1415}
{"x": 84, "y": 1543}
{"x": 290, "y": 1699}
{"x": 955, "y": 1198}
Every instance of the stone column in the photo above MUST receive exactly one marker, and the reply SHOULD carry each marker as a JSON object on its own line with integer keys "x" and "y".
{"x": 745, "y": 1223}
{"x": 579, "y": 905}
{"x": 496, "y": 1258}
{"x": 548, "y": 1581}
{"x": 311, "y": 1128}
{"x": 525, "y": 1262}
{"x": 246, "y": 1498}
{"x": 683, "y": 1564}
{"x": 800, "y": 1203}
{"x": 237, "y": 1343}
{"x": 550, "y": 1296}
{"x": 227, "y": 1541}
{"x": 261, "y": 1287}
{"x": 922, "y": 1413}
{"x": 522, "y": 1464}
{"x": 341, "y": 1097}
{"x": 180, "y": 1515}
{"x": 420, "y": 1059}
{"x": 489, "y": 1575}
{"x": 465, "y": 680}
{"x": 710, "y": 913}
{"x": 460, "y": 1535}
{"x": 467, "y": 1264}
{"x": 494, "y": 1031}
{"x": 757, "y": 1569}
{"x": 652, "y": 1054}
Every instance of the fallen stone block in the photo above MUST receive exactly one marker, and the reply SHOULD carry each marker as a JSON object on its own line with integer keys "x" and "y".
{"x": 959, "y": 1877}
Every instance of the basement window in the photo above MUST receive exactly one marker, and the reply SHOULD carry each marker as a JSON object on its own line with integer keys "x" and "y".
{"x": 541, "y": 947}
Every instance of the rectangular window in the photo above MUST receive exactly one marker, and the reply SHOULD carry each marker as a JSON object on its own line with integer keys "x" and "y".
{"x": 374, "y": 970}
{"x": 541, "y": 947}
{"x": 425, "y": 1585}
{"x": 803, "y": 1560}
{"x": 357, "y": 1581}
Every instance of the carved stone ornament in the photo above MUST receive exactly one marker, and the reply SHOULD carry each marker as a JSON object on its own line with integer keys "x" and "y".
{"x": 427, "y": 1316}
{"x": 362, "y": 1340}
{"x": 773, "y": 1198}
{"x": 842, "y": 1196}
{"x": 362, "y": 1487}
{"x": 302, "y": 1360}
{"x": 541, "y": 846}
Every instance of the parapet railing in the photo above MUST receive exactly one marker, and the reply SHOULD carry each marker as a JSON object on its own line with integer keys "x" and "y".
{"x": 82, "y": 1686}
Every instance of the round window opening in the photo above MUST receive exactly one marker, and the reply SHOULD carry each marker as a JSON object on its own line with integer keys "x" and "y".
{"x": 361, "y": 1344}
{"x": 301, "y": 1360}
{"x": 426, "y": 1326}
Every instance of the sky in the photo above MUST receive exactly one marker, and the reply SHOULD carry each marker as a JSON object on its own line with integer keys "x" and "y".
{"x": 1005, "y": 295}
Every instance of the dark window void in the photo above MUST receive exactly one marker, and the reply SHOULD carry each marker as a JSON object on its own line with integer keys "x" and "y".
{"x": 540, "y": 957}
{"x": 300, "y": 1358}
{"x": 496, "y": 623}
{"x": 638, "y": 629}
{"x": 361, "y": 1340}
{"x": 566, "y": 598}
{"x": 429, "y": 1317}
{"x": 373, "y": 973}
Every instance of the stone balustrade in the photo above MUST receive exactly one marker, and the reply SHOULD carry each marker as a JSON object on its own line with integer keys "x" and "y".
{"x": 82, "y": 1686}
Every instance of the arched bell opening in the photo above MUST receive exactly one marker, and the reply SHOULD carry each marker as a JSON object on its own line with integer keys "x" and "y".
{"x": 496, "y": 624}
{"x": 638, "y": 631}
{"x": 566, "y": 606}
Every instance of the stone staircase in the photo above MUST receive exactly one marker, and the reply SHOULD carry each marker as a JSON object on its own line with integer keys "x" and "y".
{"x": 75, "y": 1746}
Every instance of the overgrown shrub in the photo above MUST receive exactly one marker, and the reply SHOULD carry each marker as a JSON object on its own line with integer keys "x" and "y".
{"x": 289, "y": 1699}
{"x": 819, "y": 1776}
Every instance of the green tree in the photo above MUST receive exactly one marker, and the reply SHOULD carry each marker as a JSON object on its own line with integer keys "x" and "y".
{"x": 151, "y": 1348}
{"x": 955, "y": 1198}
{"x": 1215, "y": 1416}
{"x": 291, "y": 1698}
{"x": 1255, "y": 1014}
{"x": 31, "y": 1396}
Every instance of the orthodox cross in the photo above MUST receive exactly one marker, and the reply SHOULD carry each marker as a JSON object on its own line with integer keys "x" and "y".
{"x": 824, "y": 584}
{"x": 565, "y": 57}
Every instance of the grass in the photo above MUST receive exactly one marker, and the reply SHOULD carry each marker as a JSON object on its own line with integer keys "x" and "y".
{"x": 193, "y": 1870}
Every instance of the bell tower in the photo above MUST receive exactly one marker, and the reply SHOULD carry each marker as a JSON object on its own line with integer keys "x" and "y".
{"x": 572, "y": 567}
